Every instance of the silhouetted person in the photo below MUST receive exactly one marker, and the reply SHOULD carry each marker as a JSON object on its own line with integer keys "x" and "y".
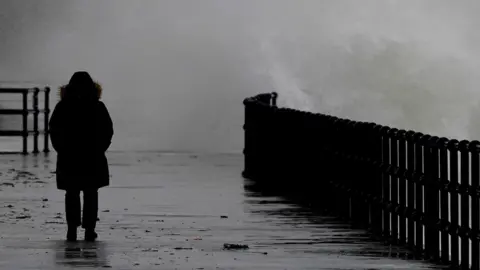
{"x": 81, "y": 131}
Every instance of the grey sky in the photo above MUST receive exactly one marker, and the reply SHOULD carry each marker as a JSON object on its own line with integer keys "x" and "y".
{"x": 175, "y": 72}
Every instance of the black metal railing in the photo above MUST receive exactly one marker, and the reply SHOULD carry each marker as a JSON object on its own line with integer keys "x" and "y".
{"x": 407, "y": 188}
{"x": 24, "y": 112}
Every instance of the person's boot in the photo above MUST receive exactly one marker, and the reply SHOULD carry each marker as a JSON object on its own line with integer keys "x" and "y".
{"x": 72, "y": 233}
{"x": 90, "y": 235}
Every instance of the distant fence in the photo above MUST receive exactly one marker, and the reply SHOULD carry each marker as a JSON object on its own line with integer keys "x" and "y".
{"x": 24, "y": 112}
{"x": 406, "y": 187}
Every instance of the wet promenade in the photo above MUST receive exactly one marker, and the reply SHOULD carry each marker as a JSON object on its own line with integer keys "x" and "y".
{"x": 174, "y": 211}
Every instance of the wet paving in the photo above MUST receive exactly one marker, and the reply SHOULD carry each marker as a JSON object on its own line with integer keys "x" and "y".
{"x": 175, "y": 211}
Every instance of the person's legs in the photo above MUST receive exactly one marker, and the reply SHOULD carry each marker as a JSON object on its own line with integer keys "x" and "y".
{"x": 90, "y": 213}
{"x": 73, "y": 213}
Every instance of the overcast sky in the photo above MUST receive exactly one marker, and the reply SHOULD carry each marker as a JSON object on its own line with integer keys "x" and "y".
{"x": 175, "y": 72}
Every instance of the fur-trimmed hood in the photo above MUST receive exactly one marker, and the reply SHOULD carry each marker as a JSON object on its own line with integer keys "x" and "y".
{"x": 62, "y": 90}
{"x": 81, "y": 85}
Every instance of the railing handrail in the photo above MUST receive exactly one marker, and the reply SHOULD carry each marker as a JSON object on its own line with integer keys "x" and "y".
{"x": 21, "y": 90}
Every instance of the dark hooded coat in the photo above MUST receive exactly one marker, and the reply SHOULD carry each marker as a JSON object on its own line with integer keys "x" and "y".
{"x": 81, "y": 131}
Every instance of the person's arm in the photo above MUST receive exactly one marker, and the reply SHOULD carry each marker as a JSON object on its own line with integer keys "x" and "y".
{"x": 106, "y": 128}
{"x": 56, "y": 129}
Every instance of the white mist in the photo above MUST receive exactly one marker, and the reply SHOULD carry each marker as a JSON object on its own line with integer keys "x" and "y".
{"x": 175, "y": 72}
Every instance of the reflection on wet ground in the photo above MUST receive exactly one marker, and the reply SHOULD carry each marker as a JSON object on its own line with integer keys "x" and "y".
{"x": 166, "y": 211}
{"x": 326, "y": 230}
{"x": 81, "y": 254}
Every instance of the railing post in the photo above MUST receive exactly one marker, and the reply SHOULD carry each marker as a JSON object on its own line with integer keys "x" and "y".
{"x": 377, "y": 205}
{"x": 411, "y": 188}
{"x": 353, "y": 207}
{"x": 247, "y": 140}
{"x": 363, "y": 156}
{"x": 453, "y": 188}
{"x": 25, "y": 122}
{"x": 46, "y": 130}
{"x": 394, "y": 184}
{"x": 431, "y": 198}
{"x": 257, "y": 137}
{"x": 338, "y": 146}
{"x": 35, "y": 120}
{"x": 402, "y": 186}
{"x": 270, "y": 142}
{"x": 355, "y": 155}
{"x": 427, "y": 164}
{"x": 336, "y": 171}
{"x": 282, "y": 147}
{"x": 475, "y": 210}
{"x": 346, "y": 185}
{"x": 418, "y": 214}
{"x": 328, "y": 169}
{"x": 442, "y": 184}
{"x": 319, "y": 165}
{"x": 386, "y": 183}
{"x": 465, "y": 198}
{"x": 273, "y": 101}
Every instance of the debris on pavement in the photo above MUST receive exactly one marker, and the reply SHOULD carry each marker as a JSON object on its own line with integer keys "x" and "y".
{"x": 7, "y": 184}
{"x": 235, "y": 246}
